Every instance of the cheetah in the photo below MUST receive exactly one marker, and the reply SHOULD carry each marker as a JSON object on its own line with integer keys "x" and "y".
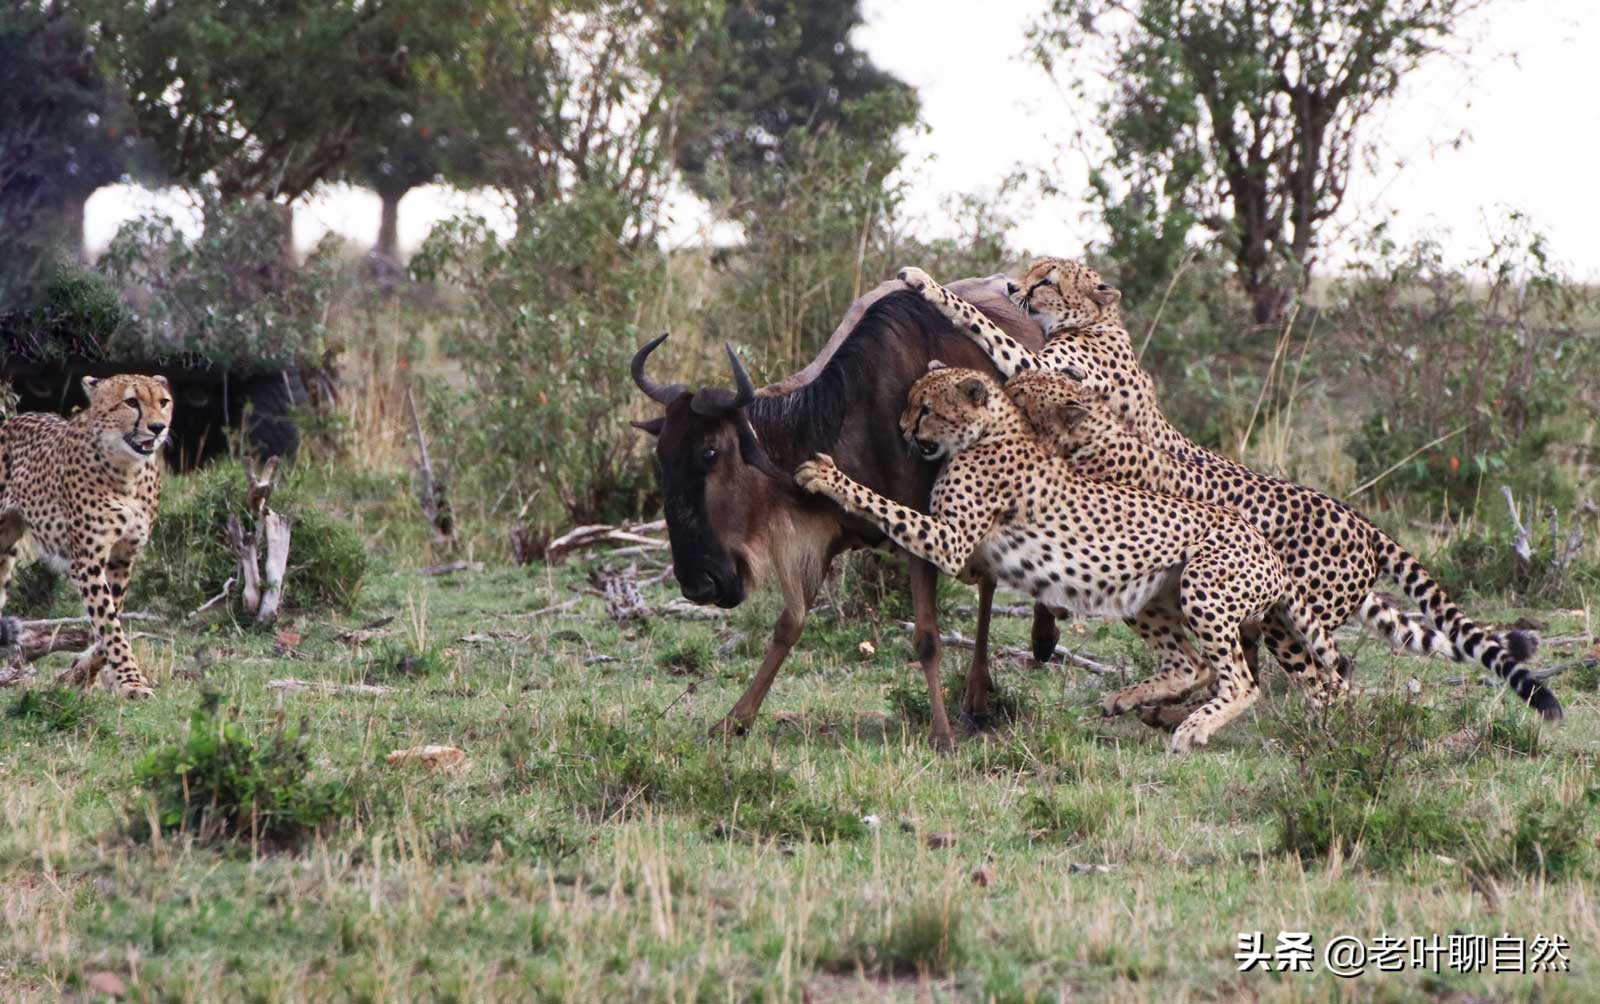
{"x": 1006, "y": 507}
{"x": 86, "y": 490}
{"x": 1332, "y": 550}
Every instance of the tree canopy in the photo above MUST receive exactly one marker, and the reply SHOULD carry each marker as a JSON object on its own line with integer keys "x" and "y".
{"x": 1240, "y": 116}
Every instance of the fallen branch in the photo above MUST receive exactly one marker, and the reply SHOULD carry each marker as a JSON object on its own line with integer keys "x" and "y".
{"x": 293, "y": 685}
{"x": 956, "y": 639}
{"x": 452, "y": 567}
{"x": 593, "y": 535}
{"x": 220, "y": 598}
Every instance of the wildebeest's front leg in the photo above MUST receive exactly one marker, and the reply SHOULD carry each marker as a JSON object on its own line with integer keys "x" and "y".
{"x": 925, "y": 640}
{"x": 980, "y": 685}
{"x": 797, "y": 599}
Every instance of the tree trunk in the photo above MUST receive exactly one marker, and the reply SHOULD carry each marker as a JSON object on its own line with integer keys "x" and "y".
{"x": 1268, "y": 301}
{"x": 388, "y": 245}
{"x": 286, "y": 214}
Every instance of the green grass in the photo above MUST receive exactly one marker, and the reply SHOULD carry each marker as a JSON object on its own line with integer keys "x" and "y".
{"x": 601, "y": 848}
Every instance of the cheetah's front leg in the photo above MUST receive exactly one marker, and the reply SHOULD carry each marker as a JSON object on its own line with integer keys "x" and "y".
{"x": 1009, "y": 356}
{"x": 103, "y": 606}
{"x": 944, "y": 544}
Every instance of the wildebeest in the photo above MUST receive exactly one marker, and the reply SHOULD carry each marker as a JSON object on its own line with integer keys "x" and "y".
{"x": 734, "y": 515}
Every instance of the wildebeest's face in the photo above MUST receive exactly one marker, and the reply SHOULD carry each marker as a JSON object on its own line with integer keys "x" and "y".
{"x": 717, "y": 485}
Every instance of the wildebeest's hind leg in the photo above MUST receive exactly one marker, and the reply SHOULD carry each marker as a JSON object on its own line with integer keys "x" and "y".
{"x": 797, "y": 597}
{"x": 980, "y": 686}
{"x": 1045, "y": 634}
{"x": 925, "y": 640}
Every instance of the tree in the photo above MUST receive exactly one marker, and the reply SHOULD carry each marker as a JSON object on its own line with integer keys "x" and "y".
{"x": 249, "y": 99}
{"x": 392, "y": 163}
{"x": 777, "y": 70}
{"x": 1242, "y": 117}
{"x": 63, "y": 126}
{"x": 559, "y": 96}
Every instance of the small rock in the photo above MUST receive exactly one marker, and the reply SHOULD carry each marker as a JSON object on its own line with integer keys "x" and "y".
{"x": 871, "y": 821}
{"x": 290, "y": 639}
{"x": 868, "y": 649}
{"x": 442, "y": 758}
{"x": 981, "y": 878}
{"x": 938, "y": 841}
{"x": 107, "y": 983}
{"x": 1413, "y": 686}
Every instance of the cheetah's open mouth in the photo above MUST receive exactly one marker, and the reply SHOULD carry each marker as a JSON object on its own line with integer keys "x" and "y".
{"x": 928, "y": 450}
{"x": 145, "y": 448}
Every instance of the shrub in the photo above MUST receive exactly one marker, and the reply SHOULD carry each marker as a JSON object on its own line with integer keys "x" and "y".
{"x": 927, "y": 938}
{"x": 610, "y": 771}
{"x": 226, "y": 296}
{"x": 53, "y": 709}
{"x": 1546, "y": 839}
{"x": 1496, "y": 352}
{"x": 1070, "y": 815}
{"x": 37, "y": 591}
{"x": 401, "y": 659}
{"x": 222, "y": 783}
{"x": 187, "y": 560}
{"x": 549, "y": 322}
{"x": 1389, "y": 827}
{"x": 1486, "y": 563}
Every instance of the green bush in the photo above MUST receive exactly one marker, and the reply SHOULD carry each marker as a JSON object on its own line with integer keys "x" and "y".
{"x": 53, "y": 709}
{"x": 926, "y": 938}
{"x": 222, "y": 783}
{"x": 610, "y": 770}
{"x": 1493, "y": 356}
{"x": 188, "y": 560}
{"x": 1547, "y": 839}
{"x": 226, "y": 296}
{"x": 548, "y": 324}
{"x": 37, "y": 591}
{"x": 1485, "y": 562}
{"x": 1070, "y": 815}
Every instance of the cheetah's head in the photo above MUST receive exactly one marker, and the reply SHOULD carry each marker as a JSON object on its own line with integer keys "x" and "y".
{"x": 131, "y": 414}
{"x": 1061, "y": 294}
{"x": 949, "y": 410}
{"x": 1063, "y": 411}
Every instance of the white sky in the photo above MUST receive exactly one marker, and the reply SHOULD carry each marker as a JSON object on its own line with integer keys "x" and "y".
{"x": 1524, "y": 101}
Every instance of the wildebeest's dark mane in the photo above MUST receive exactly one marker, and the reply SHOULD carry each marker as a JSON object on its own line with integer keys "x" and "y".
{"x": 808, "y": 420}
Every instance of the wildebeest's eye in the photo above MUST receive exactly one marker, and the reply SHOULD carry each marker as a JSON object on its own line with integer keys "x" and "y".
{"x": 708, "y": 455}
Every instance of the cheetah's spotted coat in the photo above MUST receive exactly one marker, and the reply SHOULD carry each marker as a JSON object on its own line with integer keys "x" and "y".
{"x": 86, "y": 490}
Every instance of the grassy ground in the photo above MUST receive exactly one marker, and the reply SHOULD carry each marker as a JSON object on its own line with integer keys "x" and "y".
{"x": 599, "y": 849}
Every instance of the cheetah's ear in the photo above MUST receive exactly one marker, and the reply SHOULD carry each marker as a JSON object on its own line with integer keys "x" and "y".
{"x": 89, "y": 384}
{"x": 1104, "y": 295}
{"x": 975, "y": 390}
{"x": 158, "y": 378}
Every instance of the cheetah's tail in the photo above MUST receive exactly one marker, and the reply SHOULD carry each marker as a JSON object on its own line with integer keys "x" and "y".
{"x": 1502, "y": 655}
{"x": 1405, "y": 630}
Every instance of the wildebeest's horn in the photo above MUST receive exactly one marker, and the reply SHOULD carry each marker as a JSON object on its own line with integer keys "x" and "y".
{"x": 741, "y": 378}
{"x": 656, "y": 392}
{"x": 715, "y": 401}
